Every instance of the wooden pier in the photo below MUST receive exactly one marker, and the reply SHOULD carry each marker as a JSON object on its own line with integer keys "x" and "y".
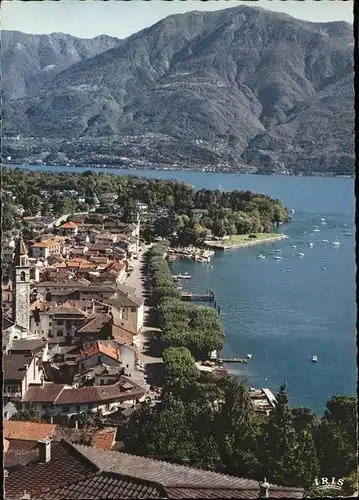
{"x": 233, "y": 360}
{"x": 200, "y": 297}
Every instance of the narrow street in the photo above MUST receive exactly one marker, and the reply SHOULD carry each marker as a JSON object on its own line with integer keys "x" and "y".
{"x": 143, "y": 340}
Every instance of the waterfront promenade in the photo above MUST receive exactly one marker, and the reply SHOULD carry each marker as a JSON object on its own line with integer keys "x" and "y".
{"x": 138, "y": 281}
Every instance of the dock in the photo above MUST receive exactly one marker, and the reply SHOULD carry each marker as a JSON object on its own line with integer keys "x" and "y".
{"x": 201, "y": 297}
{"x": 179, "y": 277}
{"x": 234, "y": 360}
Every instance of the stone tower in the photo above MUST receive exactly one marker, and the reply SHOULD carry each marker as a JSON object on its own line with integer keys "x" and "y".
{"x": 21, "y": 286}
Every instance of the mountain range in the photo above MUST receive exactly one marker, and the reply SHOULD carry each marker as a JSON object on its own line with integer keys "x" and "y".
{"x": 243, "y": 85}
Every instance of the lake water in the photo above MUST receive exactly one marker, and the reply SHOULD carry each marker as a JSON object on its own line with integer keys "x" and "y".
{"x": 284, "y": 318}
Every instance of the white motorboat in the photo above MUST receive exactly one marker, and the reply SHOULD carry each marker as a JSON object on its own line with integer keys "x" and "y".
{"x": 347, "y": 233}
{"x": 301, "y": 254}
{"x": 324, "y": 268}
{"x": 277, "y": 257}
{"x": 316, "y": 230}
{"x": 287, "y": 271}
{"x": 325, "y": 241}
{"x": 314, "y": 359}
{"x": 249, "y": 356}
{"x": 294, "y": 246}
{"x": 322, "y": 219}
{"x": 277, "y": 251}
{"x": 261, "y": 256}
{"x": 336, "y": 243}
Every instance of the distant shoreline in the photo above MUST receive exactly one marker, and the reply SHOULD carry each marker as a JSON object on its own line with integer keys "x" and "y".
{"x": 232, "y": 246}
{"x": 174, "y": 170}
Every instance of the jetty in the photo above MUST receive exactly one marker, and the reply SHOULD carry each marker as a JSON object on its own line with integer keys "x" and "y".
{"x": 179, "y": 277}
{"x": 201, "y": 297}
{"x": 234, "y": 360}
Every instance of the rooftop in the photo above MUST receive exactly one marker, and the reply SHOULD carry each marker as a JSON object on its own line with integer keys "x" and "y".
{"x": 101, "y": 348}
{"x": 29, "y": 431}
{"x": 14, "y": 366}
{"x": 69, "y": 225}
{"x": 87, "y": 472}
{"x": 95, "y": 324}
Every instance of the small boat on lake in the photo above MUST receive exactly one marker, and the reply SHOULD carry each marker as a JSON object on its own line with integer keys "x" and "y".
{"x": 324, "y": 268}
{"x": 294, "y": 246}
{"x": 261, "y": 256}
{"x": 310, "y": 244}
{"x": 322, "y": 219}
{"x": 347, "y": 233}
{"x": 336, "y": 243}
{"x": 316, "y": 230}
{"x": 278, "y": 251}
{"x": 277, "y": 257}
{"x": 287, "y": 271}
{"x": 314, "y": 359}
{"x": 301, "y": 254}
{"x": 325, "y": 241}
{"x": 249, "y": 356}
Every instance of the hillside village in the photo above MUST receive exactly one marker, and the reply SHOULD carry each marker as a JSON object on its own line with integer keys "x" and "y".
{"x": 70, "y": 321}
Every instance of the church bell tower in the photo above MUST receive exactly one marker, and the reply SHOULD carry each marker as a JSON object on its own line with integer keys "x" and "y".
{"x": 21, "y": 286}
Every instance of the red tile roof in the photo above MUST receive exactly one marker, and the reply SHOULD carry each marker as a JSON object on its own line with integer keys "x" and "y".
{"x": 31, "y": 431}
{"x": 104, "y": 439}
{"x": 101, "y": 348}
{"x": 87, "y": 472}
{"x": 69, "y": 225}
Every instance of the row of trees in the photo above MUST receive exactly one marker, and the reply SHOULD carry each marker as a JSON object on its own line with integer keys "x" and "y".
{"x": 208, "y": 421}
{"x": 183, "y": 324}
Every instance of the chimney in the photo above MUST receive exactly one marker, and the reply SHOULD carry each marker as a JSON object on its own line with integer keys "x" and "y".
{"x": 263, "y": 489}
{"x": 44, "y": 446}
{"x": 25, "y": 496}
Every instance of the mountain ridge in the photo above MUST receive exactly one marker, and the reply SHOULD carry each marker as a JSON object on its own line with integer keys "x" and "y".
{"x": 268, "y": 87}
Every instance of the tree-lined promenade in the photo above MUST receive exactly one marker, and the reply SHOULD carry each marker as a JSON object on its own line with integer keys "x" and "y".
{"x": 197, "y": 328}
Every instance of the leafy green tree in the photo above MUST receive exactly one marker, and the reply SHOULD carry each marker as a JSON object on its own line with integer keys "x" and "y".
{"x": 180, "y": 367}
{"x": 32, "y": 204}
{"x": 281, "y": 443}
{"x": 28, "y": 414}
{"x": 336, "y": 437}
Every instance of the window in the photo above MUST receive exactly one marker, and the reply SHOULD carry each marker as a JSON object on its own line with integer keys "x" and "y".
{"x": 78, "y": 409}
{"x": 65, "y": 409}
{"x": 90, "y": 406}
{"x": 133, "y": 309}
{"x": 99, "y": 359}
{"x": 60, "y": 322}
{"x": 22, "y": 276}
{"x": 60, "y": 333}
{"x": 101, "y": 381}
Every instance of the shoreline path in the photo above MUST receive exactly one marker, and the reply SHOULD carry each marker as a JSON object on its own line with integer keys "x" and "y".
{"x": 137, "y": 280}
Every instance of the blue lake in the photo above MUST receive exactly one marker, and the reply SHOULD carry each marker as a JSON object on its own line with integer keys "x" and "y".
{"x": 283, "y": 318}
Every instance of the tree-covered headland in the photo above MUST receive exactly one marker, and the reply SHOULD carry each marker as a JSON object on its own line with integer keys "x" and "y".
{"x": 175, "y": 210}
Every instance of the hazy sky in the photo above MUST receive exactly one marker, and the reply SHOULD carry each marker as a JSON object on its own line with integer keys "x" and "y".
{"x": 119, "y": 18}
